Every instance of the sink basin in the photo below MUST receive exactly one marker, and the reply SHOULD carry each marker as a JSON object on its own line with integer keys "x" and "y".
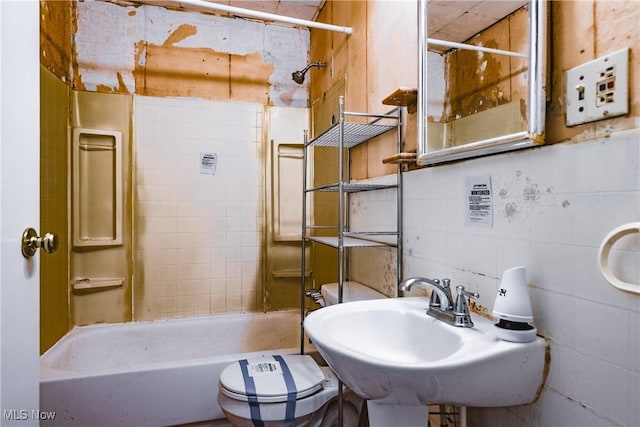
{"x": 387, "y": 334}
{"x": 390, "y": 352}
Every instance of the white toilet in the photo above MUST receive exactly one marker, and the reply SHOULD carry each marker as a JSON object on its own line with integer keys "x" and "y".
{"x": 286, "y": 390}
{"x": 278, "y": 390}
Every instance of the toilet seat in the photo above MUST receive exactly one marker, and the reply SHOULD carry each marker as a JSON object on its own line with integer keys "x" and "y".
{"x": 284, "y": 387}
{"x": 269, "y": 374}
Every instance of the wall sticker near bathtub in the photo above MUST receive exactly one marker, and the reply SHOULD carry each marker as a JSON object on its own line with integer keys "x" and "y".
{"x": 479, "y": 201}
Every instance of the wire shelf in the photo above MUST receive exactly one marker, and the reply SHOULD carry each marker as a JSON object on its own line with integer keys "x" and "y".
{"x": 347, "y": 242}
{"x": 354, "y": 134}
{"x": 352, "y": 188}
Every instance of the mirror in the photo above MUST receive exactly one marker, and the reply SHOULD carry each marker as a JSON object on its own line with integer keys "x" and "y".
{"x": 481, "y": 77}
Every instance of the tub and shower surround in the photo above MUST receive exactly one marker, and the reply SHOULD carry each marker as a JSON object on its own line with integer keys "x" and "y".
{"x": 168, "y": 57}
{"x": 193, "y": 202}
{"x": 100, "y": 218}
{"x": 197, "y": 238}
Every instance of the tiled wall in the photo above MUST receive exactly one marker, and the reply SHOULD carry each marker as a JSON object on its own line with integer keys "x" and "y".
{"x": 553, "y": 206}
{"x": 54, "y": 268}
{"x": 197, "y": 236}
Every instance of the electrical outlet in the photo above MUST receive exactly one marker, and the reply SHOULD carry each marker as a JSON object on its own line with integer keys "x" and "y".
{"x": 598, "y": 89}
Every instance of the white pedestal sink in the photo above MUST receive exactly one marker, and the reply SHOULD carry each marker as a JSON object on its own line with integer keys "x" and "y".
{"x": 391, "y": 353}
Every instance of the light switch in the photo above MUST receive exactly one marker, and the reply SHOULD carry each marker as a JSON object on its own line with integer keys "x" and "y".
{"x": 598, "y": 89}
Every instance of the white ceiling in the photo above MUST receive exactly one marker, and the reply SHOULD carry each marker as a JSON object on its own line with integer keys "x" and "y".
{"x": 459, "y": 20}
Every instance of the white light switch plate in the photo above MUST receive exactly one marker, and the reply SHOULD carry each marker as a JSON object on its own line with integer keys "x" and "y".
{"x": 598, "y": 89}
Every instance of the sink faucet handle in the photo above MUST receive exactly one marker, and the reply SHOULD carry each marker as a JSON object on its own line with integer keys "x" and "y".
{"x": 446, "y": 283}
{"x": 461, "y": 302}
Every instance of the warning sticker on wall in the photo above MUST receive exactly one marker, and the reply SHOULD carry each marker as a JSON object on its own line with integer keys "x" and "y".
{"x": 208, "y": 163}
{"x": 479, "y": 201}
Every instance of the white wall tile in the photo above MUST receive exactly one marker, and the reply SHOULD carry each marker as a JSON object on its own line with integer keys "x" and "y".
{"x": 200, "y": 224}
{"x": 560, "y": 411}
{"x": 603, "y": 387}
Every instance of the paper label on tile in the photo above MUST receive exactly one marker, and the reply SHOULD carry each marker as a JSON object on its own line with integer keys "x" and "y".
{"x": 208, "y": 163}
{"x": 479, "y": 201}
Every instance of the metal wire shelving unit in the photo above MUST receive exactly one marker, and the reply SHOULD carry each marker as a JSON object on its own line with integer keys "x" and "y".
{"x": 343, "y": 136}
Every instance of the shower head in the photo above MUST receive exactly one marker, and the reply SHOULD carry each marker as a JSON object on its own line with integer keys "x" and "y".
{"x": 298, "y": 76}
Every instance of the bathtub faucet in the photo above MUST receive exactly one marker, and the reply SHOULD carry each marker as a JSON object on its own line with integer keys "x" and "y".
{"x": 441, "y": 305}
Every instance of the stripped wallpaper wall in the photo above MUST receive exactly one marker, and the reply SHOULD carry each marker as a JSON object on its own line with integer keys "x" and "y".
{"x": 153, "y": 51}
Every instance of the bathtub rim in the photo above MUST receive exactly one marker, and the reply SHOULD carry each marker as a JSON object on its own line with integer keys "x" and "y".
{"x": 50, "y": 373}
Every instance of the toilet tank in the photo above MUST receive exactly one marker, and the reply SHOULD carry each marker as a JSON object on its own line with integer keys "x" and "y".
{"x": 351, "y": 291}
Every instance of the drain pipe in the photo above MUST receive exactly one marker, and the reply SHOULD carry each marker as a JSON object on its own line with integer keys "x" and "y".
{"x": 248, "y": 13}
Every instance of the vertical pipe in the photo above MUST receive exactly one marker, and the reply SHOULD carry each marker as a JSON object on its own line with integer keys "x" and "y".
{"x": 463, "y": 416}
{"x": 340, "y": 199}
{"x": 303, "y": 284}
{"x": 347, "y": 215}
{"x": 399, "y": 204}
{"x": 340, "y": 235}
{"x": 422, "y": 78}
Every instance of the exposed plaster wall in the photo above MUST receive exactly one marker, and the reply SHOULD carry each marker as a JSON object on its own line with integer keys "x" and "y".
{"x": 57, "y": 23}
{"x": 154, "y": 51}
{"x": 376, "y": 59}
{"x": 582, "y": 31}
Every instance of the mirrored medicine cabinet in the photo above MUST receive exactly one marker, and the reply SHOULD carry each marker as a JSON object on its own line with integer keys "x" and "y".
{"x": 481, "y": 77}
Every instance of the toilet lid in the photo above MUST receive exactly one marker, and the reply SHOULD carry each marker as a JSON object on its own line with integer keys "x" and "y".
{"x": 271, "y": 379}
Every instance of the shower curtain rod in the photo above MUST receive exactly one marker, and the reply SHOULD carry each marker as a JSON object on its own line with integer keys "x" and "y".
{"x": 256, "y": 14}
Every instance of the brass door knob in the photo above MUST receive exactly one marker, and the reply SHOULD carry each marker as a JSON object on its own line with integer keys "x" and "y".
{"x": 31, "y": 242}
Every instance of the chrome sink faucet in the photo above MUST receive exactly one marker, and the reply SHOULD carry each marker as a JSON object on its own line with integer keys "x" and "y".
{"x": 440, "y": 298}
{"x": 441, "y": 304}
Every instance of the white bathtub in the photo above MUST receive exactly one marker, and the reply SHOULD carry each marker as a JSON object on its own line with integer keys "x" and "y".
{"x": 154, "y": 373}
